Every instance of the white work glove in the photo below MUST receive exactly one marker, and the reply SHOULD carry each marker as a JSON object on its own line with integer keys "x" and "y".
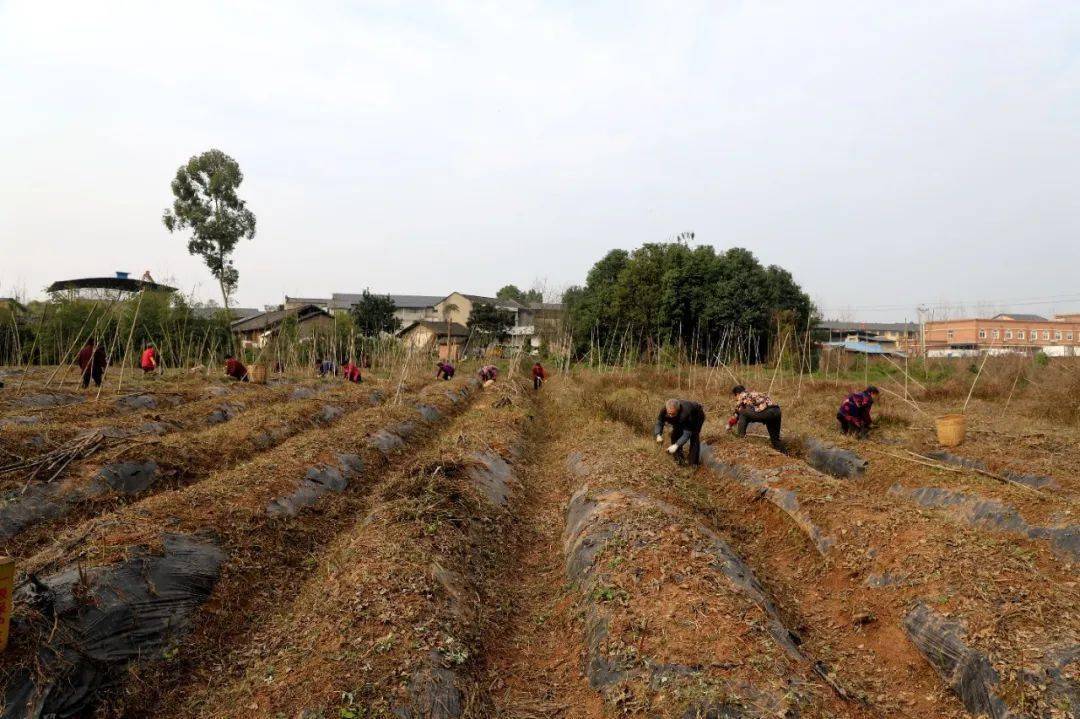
{"x": 673, "y": 449}
{"x": 659, "y": 439}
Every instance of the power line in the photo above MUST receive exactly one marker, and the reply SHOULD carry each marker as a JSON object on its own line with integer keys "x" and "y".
{"x": 959, "y": 303}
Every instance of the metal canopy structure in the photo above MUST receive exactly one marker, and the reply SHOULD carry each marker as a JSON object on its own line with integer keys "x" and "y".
{"x": 118, "y": 284}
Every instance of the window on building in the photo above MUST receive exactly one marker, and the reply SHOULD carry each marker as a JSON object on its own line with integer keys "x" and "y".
{"x": 997, "y": 334}
{"x": 1057, "y": 334}
{"x": 1069, "y": 336}
{"x": 1008, "y": 334}
{"x": 1046, "y": 334}
{"x": 950, "y": 334}
{"x": 1034, "y": 334}
{"x": 1020, "y": 334}
{"x": 982, "y": 334}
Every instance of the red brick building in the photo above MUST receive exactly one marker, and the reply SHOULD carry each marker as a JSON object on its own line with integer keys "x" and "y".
{"x": 1007, "y": 331}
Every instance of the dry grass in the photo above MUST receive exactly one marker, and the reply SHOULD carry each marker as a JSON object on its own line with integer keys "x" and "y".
{"x": 310, "y": 615}
{"x": 187, "y": 457}
{"x": 403, "y": 591}
{"x": 231, "y": 507}
{"x": 973, "y": 574}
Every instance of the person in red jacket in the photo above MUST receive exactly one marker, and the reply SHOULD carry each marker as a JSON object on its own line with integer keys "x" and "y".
{"x": 538, "y": 375}
{"x": 91, "y": 360}
{"x": 150, "y": 359}
{"x": 235, "y": 368}
{"x": 351, "y": 370}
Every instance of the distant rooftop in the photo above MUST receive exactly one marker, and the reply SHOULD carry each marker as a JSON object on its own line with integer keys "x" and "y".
{"x": 318, "y": 301}
{"x": 272, "y": 318}
{"x": 839, "y": 326}
{"x": 456, "y": 328}
{"x": 867, "y": 348}
{"x": 345, "y": 300}
{"x": 1019, "y": 317}
{"x": 235, "y": 313}
{"x": 492, "y": 301}
{"x": 119, "y": 282}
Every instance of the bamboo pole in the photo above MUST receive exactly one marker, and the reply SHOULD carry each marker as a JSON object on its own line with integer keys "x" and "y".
{"x": 67, "y": 352}
{"x": 779, "y": 357}
{"x": 108, "y": 352}
{"x": 127, "y": 349}
{"x": 1013, "y": 389}
{"x": 33, "y": 346}
{"x": 904, "y": 370}
{"x": 975, "y": 381}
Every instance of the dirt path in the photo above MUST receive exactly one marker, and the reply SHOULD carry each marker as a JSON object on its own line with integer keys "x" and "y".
{"x": 533, "y": 664}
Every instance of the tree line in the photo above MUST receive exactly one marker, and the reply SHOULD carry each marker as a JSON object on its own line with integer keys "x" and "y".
{"x": 670, "y": 296}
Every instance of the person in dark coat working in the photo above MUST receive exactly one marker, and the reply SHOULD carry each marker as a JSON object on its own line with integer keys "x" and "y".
{"x": 854, "y": 414}
{"x": 686, "y": 419}
{"x": 753, "y": 407}
{"x": 92, "y": 360}
{"x": 325, "y": 367}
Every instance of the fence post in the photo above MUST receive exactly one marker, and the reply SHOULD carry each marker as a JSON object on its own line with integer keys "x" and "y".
{"x": 7, "y": 586}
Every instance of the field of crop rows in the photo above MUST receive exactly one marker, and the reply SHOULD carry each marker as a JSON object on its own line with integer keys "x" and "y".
{"x": 415, "y": 548}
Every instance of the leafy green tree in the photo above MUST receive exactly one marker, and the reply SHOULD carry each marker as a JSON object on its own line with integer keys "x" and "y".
{"x": 374, "y": 314}
{"x": 590, "y": 310}
{"x": 206, "y": 203}
{"x": 512, "y": 292}
{"x": 672, "y": 293}
{"x": 490, "y": 322}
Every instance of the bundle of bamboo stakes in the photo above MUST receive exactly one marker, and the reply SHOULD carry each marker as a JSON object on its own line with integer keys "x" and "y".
{"x": 55, "y": 461}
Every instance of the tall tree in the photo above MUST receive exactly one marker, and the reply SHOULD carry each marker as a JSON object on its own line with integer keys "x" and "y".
{"x": 513, "y": 292}
{"x": 448, "y": 311}
{"x": 490, "y": 322}
{"x": 674, "y": 293}
{"x": 206, "y": 202}
{"x": 374, "y": 314}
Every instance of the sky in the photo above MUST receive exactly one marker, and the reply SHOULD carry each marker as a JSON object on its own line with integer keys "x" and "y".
{"x": 888, "y": 154}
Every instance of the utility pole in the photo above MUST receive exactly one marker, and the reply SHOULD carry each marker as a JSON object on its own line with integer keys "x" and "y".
{"x": 922, "y": 310}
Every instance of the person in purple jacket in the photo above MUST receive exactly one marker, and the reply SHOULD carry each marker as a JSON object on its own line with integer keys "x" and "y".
{"x": 854, "y": 414}
{"x": 444, "y": 370}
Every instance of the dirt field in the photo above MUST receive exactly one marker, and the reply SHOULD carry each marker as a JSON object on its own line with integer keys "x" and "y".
{"x": 411, "y": 548}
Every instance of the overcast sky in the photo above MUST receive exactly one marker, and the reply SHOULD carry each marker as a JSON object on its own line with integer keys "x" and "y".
{"x": 887, "y": 153}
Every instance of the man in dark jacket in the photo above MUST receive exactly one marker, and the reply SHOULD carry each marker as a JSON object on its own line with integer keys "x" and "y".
{"x": 91, "y": 360}
{"x": 686, "y": 419}
{"x": 755, "y": 407}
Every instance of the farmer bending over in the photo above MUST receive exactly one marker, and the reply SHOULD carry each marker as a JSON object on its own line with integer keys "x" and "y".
{"x": 325, "y": 367}
{"x": 444, "y": 370}
{"x": 92, "y": 360}
{"x": 686, "y": 419}
{"x": 351, "y": 370}
{"x": 854, "y": 414}
{"x": 235, "y": 368}
{"x": 753, "y": 407}
{"x": 488, "y": 373}
{"x": 539, "y": 374}
{"x": 150, "y": 359}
